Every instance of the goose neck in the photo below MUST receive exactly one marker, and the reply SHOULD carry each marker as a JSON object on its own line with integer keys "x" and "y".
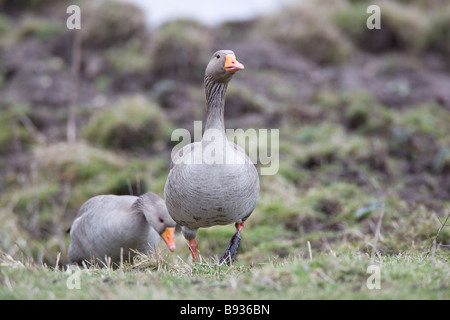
{"x": 215, "y": 104}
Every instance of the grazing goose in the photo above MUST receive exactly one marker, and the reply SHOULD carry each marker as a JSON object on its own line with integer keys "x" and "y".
{"x": 106, "y": 223}
{"x": 213, "y": 182}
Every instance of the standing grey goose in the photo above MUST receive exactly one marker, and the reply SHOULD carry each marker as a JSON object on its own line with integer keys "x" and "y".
{"x": 106, "y": 223}
{"x": 213, "y": 182}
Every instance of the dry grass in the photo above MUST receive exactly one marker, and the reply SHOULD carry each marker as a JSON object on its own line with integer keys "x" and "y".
{"x": 344, "y": 153}
{"x": 322, "y": 276}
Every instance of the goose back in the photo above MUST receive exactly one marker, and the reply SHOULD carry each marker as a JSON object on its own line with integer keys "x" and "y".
{"x": 107, "y": 223}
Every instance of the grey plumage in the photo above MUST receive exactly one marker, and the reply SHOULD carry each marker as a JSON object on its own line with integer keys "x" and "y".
{"x": 212, "y": 182}
{"x": 106, "y": 223}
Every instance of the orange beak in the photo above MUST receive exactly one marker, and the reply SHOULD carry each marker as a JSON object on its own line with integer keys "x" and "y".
{"x": 231, "y": 64}
{"x": 169, "y": 237}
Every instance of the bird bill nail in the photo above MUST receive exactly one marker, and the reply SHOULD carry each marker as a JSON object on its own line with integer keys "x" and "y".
{"x": 169, "y": 238}
{"x": 231, "y": 64}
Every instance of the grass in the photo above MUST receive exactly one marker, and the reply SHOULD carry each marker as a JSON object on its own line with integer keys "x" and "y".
{"x": 305, "y": 28}
{"x": 343, "y": 275}
{"x": 180, "y": 49}
{"x": 132, "y": 123}
{"x": 103, "y": 25}
{"x": 346, "y": 152}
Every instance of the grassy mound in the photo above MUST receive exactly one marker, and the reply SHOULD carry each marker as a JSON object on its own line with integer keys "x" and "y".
{"x": 181, "y": 48}
{"x": 305, "y": 28}
{"x": 109, "y": 23}
{"x": 402, "y": 26}
{"x": 133, "y": 123}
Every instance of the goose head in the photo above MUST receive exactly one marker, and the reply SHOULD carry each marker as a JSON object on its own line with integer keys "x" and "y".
{"x": 222, "y": 66}
{"x": 156, "y": 214}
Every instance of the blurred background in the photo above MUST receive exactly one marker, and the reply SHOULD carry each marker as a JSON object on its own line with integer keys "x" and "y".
{"x": 364, "y": 116}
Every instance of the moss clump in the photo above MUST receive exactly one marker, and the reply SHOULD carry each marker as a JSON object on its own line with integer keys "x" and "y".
{"x": 441, "y": 162}
{"x": 324, "y": 144}
{"x": 328, "y": 99}
{"x": 305, "y": 28}
{"x": 111, "y": 23}
{"x": 34, "y": 205}
{"x": 421, "y": 134}
{"x": 19, "y": 6}
{"x": 5, "y": 24}
{"x": 365, "y": 115}
{"x": 13, "y": 134}
{"x": 71, "y": 162}
{"x": 352, "y": 21}
{"x": 90, "y": 171}
{"x": 133, "y": 123}
{"x": 181, "y": 49}
{"x": 242, "y": 101}
{"x": 129, "y": 58}
{"x": 438, "y": 33}
{"x": 402, "y": 26}
{"x": 36, "y": 28}
{"x": 427, "y": 118}
{"x": 359, "y": 111}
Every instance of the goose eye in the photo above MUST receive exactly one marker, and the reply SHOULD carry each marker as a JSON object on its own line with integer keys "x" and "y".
{"x": 218, "y": 56}
{"x": 161, "y": 220}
